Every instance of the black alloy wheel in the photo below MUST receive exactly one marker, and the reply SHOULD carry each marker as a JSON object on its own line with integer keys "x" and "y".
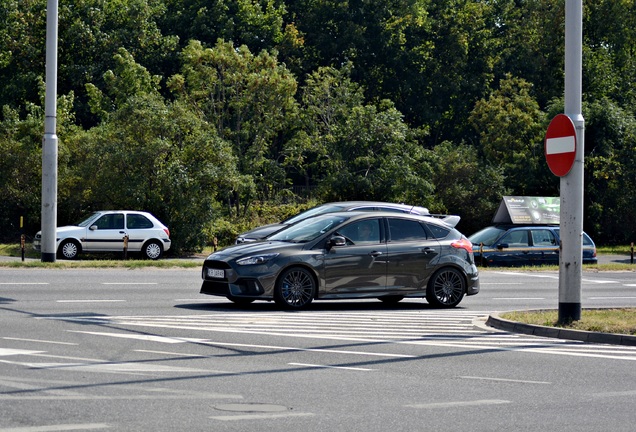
{"x": 295, "y": 288}
{"x": 446, "y": 288}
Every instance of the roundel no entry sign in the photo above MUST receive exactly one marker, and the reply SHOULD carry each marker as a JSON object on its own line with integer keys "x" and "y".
{"x": 560, "y": 145}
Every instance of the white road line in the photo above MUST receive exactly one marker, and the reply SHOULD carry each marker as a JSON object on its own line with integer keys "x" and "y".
{"x": 89, "y": 301}
{"x": 24, "y": 283}
{"x": 58, "y": 428}
{"x": 611, "y": 298}
{"x": 505, "y": 380}
{"x": 330, "y": 367}
{"x": 518, "y": 298}
{"x": 10, "y": 352}
{"x": 224, "y": 344}
{"x": 460, "y": 404}
{"x": 130, "y": 283}
{"x": 40, "y": 341}
{"x": 260, "y": 416}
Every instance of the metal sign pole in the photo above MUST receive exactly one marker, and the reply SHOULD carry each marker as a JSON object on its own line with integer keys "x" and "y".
{"x": 571, "y": 257}
{"x": 49, "y": 142}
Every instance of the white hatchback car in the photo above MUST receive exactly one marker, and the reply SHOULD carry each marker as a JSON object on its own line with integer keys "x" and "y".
{"x": 105, "y": 231}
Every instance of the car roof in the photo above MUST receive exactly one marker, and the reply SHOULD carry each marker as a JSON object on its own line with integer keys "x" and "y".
{"x": 452, "y": 220}
{"x": 353, "y": 204}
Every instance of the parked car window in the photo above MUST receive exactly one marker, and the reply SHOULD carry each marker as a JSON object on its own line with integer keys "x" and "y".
{"x": 516, "y": 238}
{"x": 362, "y": 232}
{"x": 110, "y": 221}
{"x": 438, "y": 231}
{"x": 137, "y": 221}
{"x": 406, "y": 230}
{"x": 543, "y": 237}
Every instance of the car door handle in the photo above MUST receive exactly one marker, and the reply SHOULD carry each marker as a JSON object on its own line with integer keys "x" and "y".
{"x": 428, "y": 250}
{"x": 375, "y": 253}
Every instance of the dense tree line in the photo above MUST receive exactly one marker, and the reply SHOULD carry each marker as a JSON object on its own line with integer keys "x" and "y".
{"x": 213, "y": 114}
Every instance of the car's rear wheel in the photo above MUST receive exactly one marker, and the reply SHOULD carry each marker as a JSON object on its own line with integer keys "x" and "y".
{"x": 69, "y": 249}
{"x": 391, "y": 299}
{"x": 152, "y": 250}
{"x": 446, "y": 288}
{"x": 295, "y": 288}
{"x": 240, "y": 300}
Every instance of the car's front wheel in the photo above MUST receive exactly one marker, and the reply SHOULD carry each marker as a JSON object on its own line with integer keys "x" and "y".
{"x": 446, "y": 288}
{"x": 152, "y": 250}
{"x": 295, "y": 288}
{"x": 69, "y": 249}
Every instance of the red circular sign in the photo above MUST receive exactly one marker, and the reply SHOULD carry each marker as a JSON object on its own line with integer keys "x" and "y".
{"x": 560, "y": 145}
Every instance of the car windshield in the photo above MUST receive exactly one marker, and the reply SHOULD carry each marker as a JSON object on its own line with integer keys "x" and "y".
{"x": 88, "y": 220}
{"x": 327, "y": 208}
{"x": 309, "y": 229}
{"x": 486, "y": 236}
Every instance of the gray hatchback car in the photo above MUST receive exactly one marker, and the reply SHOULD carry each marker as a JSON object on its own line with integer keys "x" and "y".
{"x": 261, "y": 232}
{"x": 348, "y": 255}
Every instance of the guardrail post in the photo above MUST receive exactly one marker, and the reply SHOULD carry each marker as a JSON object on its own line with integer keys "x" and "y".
{"x": 22, "y": 244}
{"x": 215, "y": 243}
{"x": 632, "y": 249}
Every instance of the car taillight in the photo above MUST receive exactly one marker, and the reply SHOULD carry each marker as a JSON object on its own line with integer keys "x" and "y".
{"x": 463, "y": 244}
{"x": 167, "y": 231}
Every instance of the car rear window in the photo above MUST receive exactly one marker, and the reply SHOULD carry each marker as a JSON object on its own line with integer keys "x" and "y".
{"x": 137, "y": 221}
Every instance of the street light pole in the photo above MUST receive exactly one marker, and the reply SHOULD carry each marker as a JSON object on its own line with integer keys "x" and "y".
{"x": 49, "y": 142}
{"x": 571, "y": 256}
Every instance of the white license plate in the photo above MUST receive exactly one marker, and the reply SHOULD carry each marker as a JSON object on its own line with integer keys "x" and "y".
{"x": 216, "y": 273}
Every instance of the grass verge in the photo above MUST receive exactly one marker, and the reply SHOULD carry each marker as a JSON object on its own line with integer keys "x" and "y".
{"x": 619, "y": 321}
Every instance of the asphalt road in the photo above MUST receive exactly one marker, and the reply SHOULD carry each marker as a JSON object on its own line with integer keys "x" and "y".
{"x": 141, "y": 350}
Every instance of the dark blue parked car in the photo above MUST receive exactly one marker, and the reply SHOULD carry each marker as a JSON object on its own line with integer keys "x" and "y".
{"x": 523, "y": 245}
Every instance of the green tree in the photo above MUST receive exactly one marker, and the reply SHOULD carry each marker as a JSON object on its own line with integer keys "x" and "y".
{"x": 250, "y": 100}
{"x": 152, "y": 155}
{"x": 355, "y": 151}
{"x": 466, "y": 186}
{"x": 610, "y": 172}
{"x": 511, "y": 128}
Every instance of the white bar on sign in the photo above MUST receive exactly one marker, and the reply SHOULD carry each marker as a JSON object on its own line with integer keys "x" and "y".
{"x": 560, "y": 145}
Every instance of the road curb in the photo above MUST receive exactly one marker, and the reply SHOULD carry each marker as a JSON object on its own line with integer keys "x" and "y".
{"x": 497, "y": 322}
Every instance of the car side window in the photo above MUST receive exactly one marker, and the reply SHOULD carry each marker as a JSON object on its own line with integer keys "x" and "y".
{"x": 110, "y": 221}
{"x": 543, "y": 237}
{"x": 362, "y": 232}
{"x": 438, "y": 231}
{"x": 406, "y": 230}
{"x": 516, "y": 238}
{"x": 137, "y": 221}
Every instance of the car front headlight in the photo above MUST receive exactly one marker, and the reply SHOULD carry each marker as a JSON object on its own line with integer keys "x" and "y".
{"x": 256, "y": 259}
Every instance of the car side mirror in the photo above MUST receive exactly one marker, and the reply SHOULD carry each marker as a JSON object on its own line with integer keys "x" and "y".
{"x": 503, "y": 246}
{"x": 337, "y": 241}
{"x": 93, "y": 228}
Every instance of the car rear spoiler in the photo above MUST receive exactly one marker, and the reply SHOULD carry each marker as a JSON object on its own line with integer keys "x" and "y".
{"x": 450, "y": 220}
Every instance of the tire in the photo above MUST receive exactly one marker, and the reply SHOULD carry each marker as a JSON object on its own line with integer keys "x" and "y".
{"x": 295, "y": 288}
{"x": 69, "y": 249}
{"x": 152, "y": 250}
{"x": 391, "y": 299}
{"x": 240, "y": 300}
{"x": 446, "y": 288}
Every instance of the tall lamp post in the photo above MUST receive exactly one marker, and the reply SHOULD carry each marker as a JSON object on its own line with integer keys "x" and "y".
{"x": 49, "y": 142}
{"x": 571, "y": 259}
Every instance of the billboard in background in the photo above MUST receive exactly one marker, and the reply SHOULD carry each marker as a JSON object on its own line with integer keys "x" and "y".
{"x": 528, "y": 210}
